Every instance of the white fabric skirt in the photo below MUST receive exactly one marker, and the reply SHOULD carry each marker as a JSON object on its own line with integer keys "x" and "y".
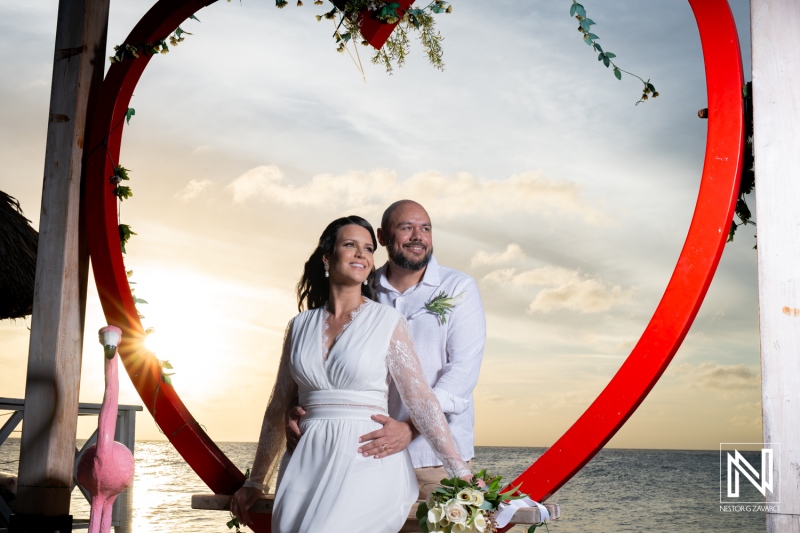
{"x": 325, "y": 485}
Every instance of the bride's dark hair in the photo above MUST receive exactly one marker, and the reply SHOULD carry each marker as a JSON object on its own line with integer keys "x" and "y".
{"x": 313, "y": 288}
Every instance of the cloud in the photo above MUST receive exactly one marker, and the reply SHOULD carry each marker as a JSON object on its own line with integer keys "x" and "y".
{"x": 443, "y": 195}
{"x": 721, "y": 377}
{"x": 513, "y": 251}
{"x": 587, "y": 296}
{"x": 564, "y": 289}
{"x": 192, "y": 189}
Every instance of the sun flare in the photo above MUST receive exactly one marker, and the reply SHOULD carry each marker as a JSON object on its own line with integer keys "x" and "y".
{"x": 207, "y": 328}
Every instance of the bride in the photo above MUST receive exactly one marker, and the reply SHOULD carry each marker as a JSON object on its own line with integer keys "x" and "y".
{"x": 337, "y": 359}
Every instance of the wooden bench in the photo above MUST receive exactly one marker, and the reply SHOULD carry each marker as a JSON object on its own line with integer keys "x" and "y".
{"x": 221, "y": 502}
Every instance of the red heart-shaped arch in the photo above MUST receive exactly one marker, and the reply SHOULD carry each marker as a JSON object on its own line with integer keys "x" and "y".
{"x": 626, "y": 390}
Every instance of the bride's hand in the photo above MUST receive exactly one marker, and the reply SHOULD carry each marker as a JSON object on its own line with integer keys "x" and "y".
{"x": 243, "y": 501}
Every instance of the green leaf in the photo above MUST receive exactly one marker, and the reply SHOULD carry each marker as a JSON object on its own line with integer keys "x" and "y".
{"x": 610, "y": 54}
{"x": 597, "y": 47}
{"x": 592, "y": 36}
{"x": 580, "y": 11}
{"x": 167, "y": 365}
{"x": 125, "y": 233}
{"x": 139, "y": 300}
{"x": 532, "y": 528}
{"x": 617, "y": 73}
{"x": 423, "y": 525}
{"x": 192, "y": 17}
{"x": 606, "y": 61}
{"x": 166, "y": 379}
{"x": 573, "y": 9}
{"x": 123, "y": 192}
{"x": 122, "y": 172}
{"x": 422, "y": 511}
{"x": 128, "y": 114}
{"x": 651, "y": 87}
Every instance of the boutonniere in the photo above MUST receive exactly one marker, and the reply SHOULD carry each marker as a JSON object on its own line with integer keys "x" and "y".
{"x": 443, "y": 304}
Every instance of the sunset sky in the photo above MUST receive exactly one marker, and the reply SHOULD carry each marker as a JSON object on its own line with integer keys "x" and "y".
{"x": 564, "y": 201}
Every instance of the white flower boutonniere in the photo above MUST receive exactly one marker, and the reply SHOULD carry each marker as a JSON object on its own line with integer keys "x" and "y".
{"x": 443, "y": 304}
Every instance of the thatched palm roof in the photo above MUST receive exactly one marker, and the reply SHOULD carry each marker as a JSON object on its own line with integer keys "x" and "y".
{"x": 18, "y": 243}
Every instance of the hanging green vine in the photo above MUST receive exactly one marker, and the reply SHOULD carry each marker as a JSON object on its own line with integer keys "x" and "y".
{"x": 123, "y": 192}
{"x": 748, "y": 181}
{"x": 134, "y": 51}
{"x": 584, "y": 26}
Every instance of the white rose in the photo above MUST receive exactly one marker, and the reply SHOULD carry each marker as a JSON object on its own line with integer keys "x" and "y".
{"x": 480, "y": 521}
{"x": 455, "y": 513}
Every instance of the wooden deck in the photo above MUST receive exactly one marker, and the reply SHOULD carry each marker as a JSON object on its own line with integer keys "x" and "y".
{"x": 221, "y": 502}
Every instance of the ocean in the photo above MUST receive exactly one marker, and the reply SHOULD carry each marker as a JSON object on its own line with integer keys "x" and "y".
{"x": 618, "y": 491}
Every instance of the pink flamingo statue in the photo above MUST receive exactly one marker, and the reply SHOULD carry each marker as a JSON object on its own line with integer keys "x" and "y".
{"x": 106, "y": 468}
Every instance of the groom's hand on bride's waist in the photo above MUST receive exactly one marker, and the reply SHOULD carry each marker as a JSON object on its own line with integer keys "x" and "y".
{"x": 293, "y": 417}
{"x": 393, "y": 437}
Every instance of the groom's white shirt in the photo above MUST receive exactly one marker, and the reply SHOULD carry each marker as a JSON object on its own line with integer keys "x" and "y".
{"x": 450, "y": 353}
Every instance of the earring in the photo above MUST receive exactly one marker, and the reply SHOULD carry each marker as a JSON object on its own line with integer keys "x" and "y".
{"x": 366, "y": 282}
{"x": 327, "y": 274}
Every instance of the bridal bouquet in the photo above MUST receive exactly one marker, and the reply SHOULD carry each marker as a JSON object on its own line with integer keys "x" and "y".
{"x": 458, "y": 506}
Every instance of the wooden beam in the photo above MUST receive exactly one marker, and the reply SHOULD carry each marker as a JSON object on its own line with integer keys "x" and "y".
{"x": 222, "y": 502}
{"x": 775, "y": 31}
{"x": 54, "y": 358}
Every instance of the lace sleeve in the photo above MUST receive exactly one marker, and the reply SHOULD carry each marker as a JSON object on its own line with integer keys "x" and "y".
{"x": 272, "y": 441}
{"x": 426, "y": 413}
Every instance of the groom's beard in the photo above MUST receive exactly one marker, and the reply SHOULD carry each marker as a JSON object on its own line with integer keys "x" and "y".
{"x": 400, "y": 258}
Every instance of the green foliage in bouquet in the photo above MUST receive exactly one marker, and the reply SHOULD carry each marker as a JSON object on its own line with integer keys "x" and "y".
{"x": 458, "y": 506}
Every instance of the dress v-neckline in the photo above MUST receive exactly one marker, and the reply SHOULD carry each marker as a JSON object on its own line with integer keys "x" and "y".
{"x": 327, "y": 351}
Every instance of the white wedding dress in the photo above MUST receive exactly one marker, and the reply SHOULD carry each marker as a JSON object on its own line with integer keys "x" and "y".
{"x": 325, "y": 485}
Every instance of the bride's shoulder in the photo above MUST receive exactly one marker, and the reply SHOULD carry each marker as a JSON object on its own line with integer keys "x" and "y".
{"x": 304, "y": 316}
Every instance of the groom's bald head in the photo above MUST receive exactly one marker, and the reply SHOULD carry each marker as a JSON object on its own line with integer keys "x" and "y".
{"x": 386, "y": 220}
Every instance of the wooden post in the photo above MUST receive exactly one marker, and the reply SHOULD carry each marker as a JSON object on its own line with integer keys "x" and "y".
{"x": 775, "y": 30}
{"x": 54, "y": 358}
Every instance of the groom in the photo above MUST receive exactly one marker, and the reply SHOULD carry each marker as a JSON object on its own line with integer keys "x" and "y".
{"x": 450, "y": 348}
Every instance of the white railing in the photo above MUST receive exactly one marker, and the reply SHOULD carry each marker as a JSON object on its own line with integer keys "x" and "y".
{"x": 125, "y": 433}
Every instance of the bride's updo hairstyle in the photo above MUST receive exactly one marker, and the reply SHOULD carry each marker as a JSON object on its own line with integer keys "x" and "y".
{"x": 313, "y": 288}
